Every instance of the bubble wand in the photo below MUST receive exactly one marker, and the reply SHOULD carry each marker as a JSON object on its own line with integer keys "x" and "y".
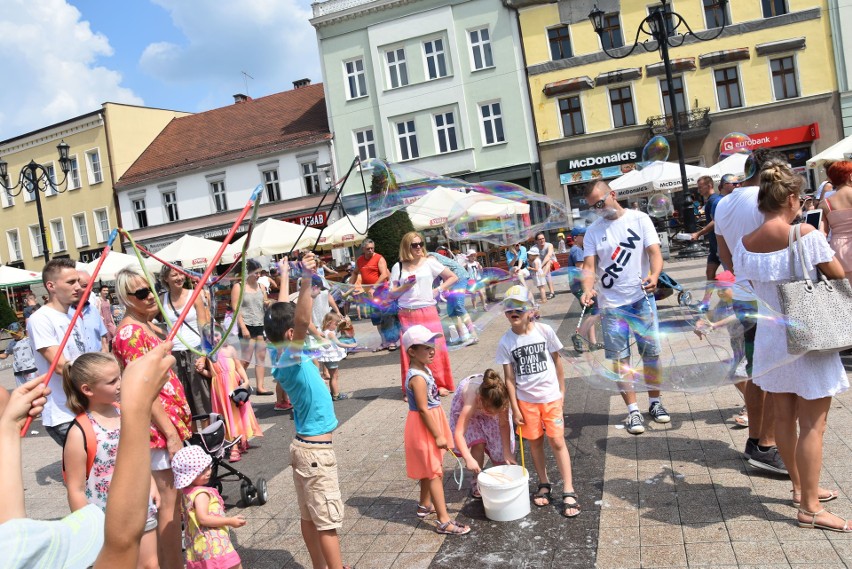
{"x": 80, "y": 305}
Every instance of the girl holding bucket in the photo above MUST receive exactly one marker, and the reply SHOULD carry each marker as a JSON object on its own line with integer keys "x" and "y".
{"x": 427, "y": 433}
{"x": 479, "y": 420}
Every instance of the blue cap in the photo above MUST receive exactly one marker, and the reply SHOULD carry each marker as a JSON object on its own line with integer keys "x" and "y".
{"x": 318, "y": 281}
{"x": 578, "y": 231}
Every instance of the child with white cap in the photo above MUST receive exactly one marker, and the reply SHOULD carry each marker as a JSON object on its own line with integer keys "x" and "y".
{"x": 474, "y": 284}
{"x": 207, "y": 540}
{"x": 534, "y": 261}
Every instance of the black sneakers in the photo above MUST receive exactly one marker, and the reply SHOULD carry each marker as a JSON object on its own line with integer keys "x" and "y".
{"x": 769, "y": 460}
{"x": 658, "y": 413}
{"x": 635, "y": 423}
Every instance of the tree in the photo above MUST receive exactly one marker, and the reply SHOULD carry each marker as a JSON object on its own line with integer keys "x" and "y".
{"x": 388, "y": 232}
{"x": 7, "y": 315}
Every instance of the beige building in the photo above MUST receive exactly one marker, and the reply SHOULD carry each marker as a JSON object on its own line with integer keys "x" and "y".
{"x": 79, "y": 217}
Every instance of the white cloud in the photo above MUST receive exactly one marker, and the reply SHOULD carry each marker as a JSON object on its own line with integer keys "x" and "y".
{"x": 50, "y": 70}
{"x": 271, "y": 40}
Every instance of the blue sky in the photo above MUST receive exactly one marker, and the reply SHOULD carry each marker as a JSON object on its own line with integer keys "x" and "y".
{"x": 63, "y": 58}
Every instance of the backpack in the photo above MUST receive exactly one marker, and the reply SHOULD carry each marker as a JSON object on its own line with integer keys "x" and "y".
{"x": 90, "y": 441}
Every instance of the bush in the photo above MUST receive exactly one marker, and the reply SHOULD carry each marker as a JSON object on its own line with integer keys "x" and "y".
{"x": 388, "y": 232}
{"x": 7, "y": 315}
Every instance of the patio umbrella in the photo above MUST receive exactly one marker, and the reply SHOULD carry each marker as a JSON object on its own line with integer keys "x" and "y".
{"x": 435, "y": 208}
{"x": 188, "y": 251}
{"x": 274, "y": 237}
{"x": 656, "y": 177}
{"x": 114, "y": 262}
{"x": 344, "y": 232}
{"x": 10, "y": 276}
{"x": 733, "y": 164}
{"x": 840, "y": 151}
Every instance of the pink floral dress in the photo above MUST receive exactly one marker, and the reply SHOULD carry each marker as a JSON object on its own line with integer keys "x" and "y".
{"x": 131, "y": 342}
{"x": 206, "y": 548}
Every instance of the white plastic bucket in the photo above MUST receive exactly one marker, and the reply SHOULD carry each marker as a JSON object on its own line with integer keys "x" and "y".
{"x": 505, "y": 492}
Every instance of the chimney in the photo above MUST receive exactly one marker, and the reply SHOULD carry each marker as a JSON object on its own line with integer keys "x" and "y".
{"x": 301, "y": 83}
{"x": 240, "y": 98}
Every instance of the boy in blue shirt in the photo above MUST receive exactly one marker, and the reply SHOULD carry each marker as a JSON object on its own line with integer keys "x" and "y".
{"x": 311, "y": 453}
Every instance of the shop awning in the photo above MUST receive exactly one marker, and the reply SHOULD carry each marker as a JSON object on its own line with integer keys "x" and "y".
{"x": 780, "y": 46}
{"x": 678, "y": 66}
{"x": 571, "y": 85}
{"x": 618, "y": 76}
{"x": 724, "y": 56}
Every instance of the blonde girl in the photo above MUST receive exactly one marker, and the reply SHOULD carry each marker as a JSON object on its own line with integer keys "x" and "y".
{"x": 332, "y": 352}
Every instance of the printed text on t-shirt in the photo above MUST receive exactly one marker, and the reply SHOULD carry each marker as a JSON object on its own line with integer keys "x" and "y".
{"x": 530, "y": 359}
{"x": 620, "y": 257}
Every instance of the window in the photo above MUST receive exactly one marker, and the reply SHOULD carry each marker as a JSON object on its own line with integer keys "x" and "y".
{"x": 28, "y": 187}
{"x": 784, "y": 78}
{"x": 621, "y": 103}
{"x": 170, "y": 205}
{"x": 36, "y": 245}
{"x": 669, "y": 19}
{"x": 407, "y": 139}
{"x": 81, "y": 232}
{"x": 273, "y": 187}
{"x": 572, "y": 116}
{"x": 310, "y": 177}
{"x": 13, "y": 240}
{"x": 365, "y": 144}
{"x": 445, "y": 130}
{"x": 492, "y": 123}
{"x": 560, "y": 42}
{"x": 140, "y": 212}
{"x": 480, "y": 48}
{"x": 102, "y": 224}
{"x": 57, "y": 235}
{"x": 397, "y": 68}
{"x": 436, "y": 61}
{"x": 728, "y": 88}
{"x": 220, "y": 200}
{"x": 93, "y": 158}
{"x": 74, "y": 174}
{"x": 774, "y": 8}
{"x": 680, "y": 100}
{"x": 50, "y": 190}
{"x": 6, "y": 198}
{"x": 715, "y": 16}
{"x": 611, "y": 36}
{"x": 356, "y": 80}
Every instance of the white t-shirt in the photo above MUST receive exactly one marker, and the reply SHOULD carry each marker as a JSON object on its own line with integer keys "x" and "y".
{"x": 531, "y": 359}
{"x": 620, "y": 246}
{"x": 737, "y": 215}
{"x": 419, "y": 295}
{"x": 45, "y": 328}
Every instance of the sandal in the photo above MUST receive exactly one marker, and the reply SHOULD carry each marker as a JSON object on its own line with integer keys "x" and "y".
{"x": 814, "y": 525}
{"x": 392, "y": 348}
{"x": 539, "y": 495}
{"x": 832, "y": 495}
{"x": 235, "y": 455}
{"x": 452, "y": 527}
{"x": 339, "y": 397}
{"x": 423, "y": 511}
{"x": 573, "y": 505}
{"x": 741, "y": 419}
{"x": 474, "y": 491}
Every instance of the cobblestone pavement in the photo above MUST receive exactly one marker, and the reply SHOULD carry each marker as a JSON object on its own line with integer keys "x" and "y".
{"x": 679, "y": 495}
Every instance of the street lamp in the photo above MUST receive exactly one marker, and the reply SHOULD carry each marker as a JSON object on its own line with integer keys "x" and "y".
{"x": 661, "y": 27}
{"x": 36, "y": 178}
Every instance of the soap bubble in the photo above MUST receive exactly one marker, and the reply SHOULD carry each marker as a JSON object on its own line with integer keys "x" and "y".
{"x": 734, "y": 143}
{"x": 660, "y": 205}
{"x": 656, "y": 149}
{"x": 749, "y": 168}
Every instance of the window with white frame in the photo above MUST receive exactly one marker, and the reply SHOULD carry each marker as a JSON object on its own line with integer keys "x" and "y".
{"x": 774, "y": 8}
{"x": 784, "y": 83}
{"x": 406, "y": 137}
{"x": 445, "y": 132}
{"x": 612, "y": 35}
{"x": 436, "y": 60}
{"x": 140, "y": 212}
{"x": 13, "y": 241}
{"x": 220, "y": 199}
{"x": 356, "y": 79}
{"x": 480, "y": 48}
{"x": 35, "y": 241}
{"x": 716, "y": 14}
{"x": 73, "y": 174}
{"x": 310, "y": 177}
{"x": 668, "y": 18}
{"x": 397, "y": 68}
{"x": 571, "y": 113}
{"x": 28, "y": 186}
{"x": 680, "y": 96}
{"x": 728, "y": 90}
{"x": 492, "y": 123}
{"x": 57, "y": 235}
{"x": 559, "y": 39}
{"x": 50, "y": 190}
{"x": 93, "y": 162}
{"x": 81, "y": 230}
{"x": 170, "y": 205}
{"x": 621, "y": 104}
{"x": 102, "y": 224}
{"x": 365, "y": 143}
{"x": 6, "y": 198}
{"x": 273, "y": 187}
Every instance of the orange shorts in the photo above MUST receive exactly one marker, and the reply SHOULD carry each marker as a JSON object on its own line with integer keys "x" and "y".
{"x": 541, "y": 418}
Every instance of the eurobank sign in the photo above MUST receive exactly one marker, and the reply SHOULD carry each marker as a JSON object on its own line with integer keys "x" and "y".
{"x": 584, "y": 168}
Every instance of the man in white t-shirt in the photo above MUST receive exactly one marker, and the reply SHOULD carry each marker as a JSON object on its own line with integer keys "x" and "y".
{"x": 737, "y": 215}
{"x": 622, "y": 249}
{"x": 46, "y": 328}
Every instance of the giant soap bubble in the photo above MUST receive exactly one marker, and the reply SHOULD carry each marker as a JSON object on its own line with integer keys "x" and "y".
{"x": 734, "y": 143}
{"x": 656, "y": 149}
{"x": 660, "y": 205}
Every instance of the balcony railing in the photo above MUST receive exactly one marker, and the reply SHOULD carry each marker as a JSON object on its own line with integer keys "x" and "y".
{"x": 692, "y": 123}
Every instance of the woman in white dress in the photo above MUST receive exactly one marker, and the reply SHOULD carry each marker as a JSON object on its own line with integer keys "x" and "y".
{"x": 801, "y": 389}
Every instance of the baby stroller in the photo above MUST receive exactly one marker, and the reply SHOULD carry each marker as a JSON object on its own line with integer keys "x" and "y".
{"x": 666, "y": 286}
{"x": 212, "y": 440}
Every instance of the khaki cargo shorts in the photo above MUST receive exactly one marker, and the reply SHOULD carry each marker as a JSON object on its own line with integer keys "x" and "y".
{"x": 317, "y": 489}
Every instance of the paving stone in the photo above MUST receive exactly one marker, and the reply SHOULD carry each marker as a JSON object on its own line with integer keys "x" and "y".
{"x": 703, "y": 554}
{"x": 664, "y": 556}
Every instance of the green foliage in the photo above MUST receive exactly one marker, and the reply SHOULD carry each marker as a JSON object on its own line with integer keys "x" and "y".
{"x": 7, "y": 315}
{"x": 388, "y": 232}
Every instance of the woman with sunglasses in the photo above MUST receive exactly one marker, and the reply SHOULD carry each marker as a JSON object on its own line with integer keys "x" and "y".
{"x": 250, "y": 322}
{"x": 411, "y": 285}
{"x": 136, "y": 336}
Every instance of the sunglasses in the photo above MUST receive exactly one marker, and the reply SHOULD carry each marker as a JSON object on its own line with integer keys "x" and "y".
{"x": 599, "y": 204}
{"x": 142, "y": 293}
{"x": 519, "y": 311}
{"x": 417, "y": 245}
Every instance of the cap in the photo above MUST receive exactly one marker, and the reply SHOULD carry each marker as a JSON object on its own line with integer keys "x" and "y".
{"x": 729, "y": 179}
{"x": 13, "y": 327}
{"x": 419, "y": 335}
{"x": 533, "y": 251}
{"x": 517, "y": 296}
{"x": 560, "y": 234}
{"x": 318, "y": 281}
{"x": 188, "y": 463}
{"x": 726, "y": 278}
{"x": 579, "y": 230}
{"x": 471, "y": 252}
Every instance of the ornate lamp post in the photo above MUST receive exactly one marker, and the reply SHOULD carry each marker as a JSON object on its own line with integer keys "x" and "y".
{"x": 661, "y": 27}
{"x": 36, "y": 178}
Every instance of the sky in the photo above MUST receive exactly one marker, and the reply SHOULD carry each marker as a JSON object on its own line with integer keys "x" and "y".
{"x": 64, "y": 58}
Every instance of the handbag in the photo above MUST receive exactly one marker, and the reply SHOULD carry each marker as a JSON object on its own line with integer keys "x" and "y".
{"x": 554, "y": 265}
{"x": 819, "y": 313}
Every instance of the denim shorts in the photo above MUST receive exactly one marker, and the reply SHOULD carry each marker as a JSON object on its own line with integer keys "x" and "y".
{"x": 639, "y": 319}
{"x": 455, "y": 305}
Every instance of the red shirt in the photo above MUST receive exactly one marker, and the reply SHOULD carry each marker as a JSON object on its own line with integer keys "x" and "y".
{"x": 369, "y": 270}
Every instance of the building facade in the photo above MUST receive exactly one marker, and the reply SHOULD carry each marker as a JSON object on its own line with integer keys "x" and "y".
{"x": 79, "y": 217}
{"x": 840, "y": 14}
{"x": 770, "y": 75}
{"x": 201, "y": 170}
{"x": 434, "y": 84}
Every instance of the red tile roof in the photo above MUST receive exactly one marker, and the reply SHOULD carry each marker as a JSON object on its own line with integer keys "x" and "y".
{"x": 257, "y": 126}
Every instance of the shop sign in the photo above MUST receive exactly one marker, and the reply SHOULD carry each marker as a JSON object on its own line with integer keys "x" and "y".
{"x": 317, "y": 219}
{"x": 586, "y": 168}
{"x": 774, "y": 138}
{"x": 223, "y": 231}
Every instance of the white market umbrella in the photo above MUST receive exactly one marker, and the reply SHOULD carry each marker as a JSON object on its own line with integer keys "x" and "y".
{"x": 657, "y": 177}
{"x": 344, "y": 232}
{"x": 190, "y": 252}
{"x": 733, "y": 164}
{"x": 274, "y": 237}
{"x": 432, "y": 209}
{"x": 11, "y": 276}
{"x": 839, "y": 151}
{"x": 113, "y": 263}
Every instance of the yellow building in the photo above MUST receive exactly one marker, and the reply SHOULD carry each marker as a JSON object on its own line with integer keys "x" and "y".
{"x": 770, "y": 75}
{"x": 79, "y": 217}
